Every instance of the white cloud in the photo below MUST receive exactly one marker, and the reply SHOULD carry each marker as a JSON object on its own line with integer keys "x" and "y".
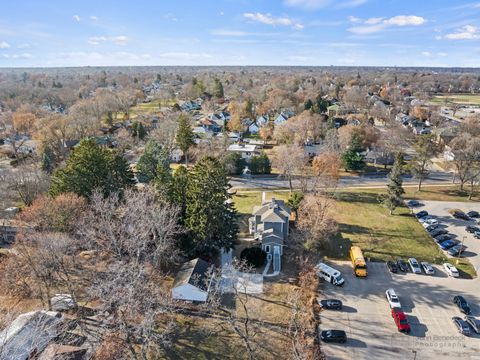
{"x": 170, "y": 17}
{"x": 426, "y": 53}
{"x": 299, "y": 58}
{"x": 119, "y": 40}
{"x": 467, "y": 32}
{"x": 403, "y": 20}
{"x": 222, "y": 13}
{"x": 374, "y": 25}
{"x": 268, "y": 19}
{"x": 373, "y": 21}
{"x": 18, "y": 56}
{"x": 93, "y": 18}
{"x": 354, "y": 19}
{"x": 437, "y": 54}
{"x": 351, "y": 3}
{"x": 76, "y": 18}
{"x": 4, "y": 45}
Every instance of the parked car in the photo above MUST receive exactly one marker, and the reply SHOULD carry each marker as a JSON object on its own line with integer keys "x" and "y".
{"x": 392, "y": 267}
{"x": 413, "y": 203}
{"x": 437, "y": 232}
{"x": 426, "y": 218}
{"x": 402, "y": 265}
{"x": 421, "y": 214}
{"x": 333, "y": 336}
{"x": 462, "y": 304}
{"x": 472, "y": 229}
{"x": 429, "y": 227}
{"x": 461, "y": 325}
{"x": 414, "y": 266}
{"x": 441, "y": 238}
{"x": 451, "y": 270}
{"x": 456, "y": 250}
{"x": 401, "y": 320}
{"x": 393, "y": 299}
{"x": 331, "y": 304}
{"x": 427, "y": 268}
{"x": 474, "y": 323}
{"x": 473, "y": 214}
{"x": 445, "y": 245}
{"x": 476, "y": 234}
{"x": 458, "y": 214}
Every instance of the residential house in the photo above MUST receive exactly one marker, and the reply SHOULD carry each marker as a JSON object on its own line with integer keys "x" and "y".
{"x": 270, "y": 225}
{"x": 193, "y": 281}
{"x": 246, "y": 150}
{"x": 253, "y": 128}
{"x": 333, "y": 110}
{"x": 210, "y": 126}
{"x": 379, "y": 157}
{"x": 190, "y": 106}
{"x": 283, "y": 117}
{"x": 262, "y": 120}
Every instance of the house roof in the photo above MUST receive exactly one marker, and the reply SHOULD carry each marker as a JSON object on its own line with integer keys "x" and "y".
{"x": 242, "y": 148}
{"x": 271, "y": 236}
{"x": 278, "y": 206}
{"x": 29, "y": 332}
{"x": 193, "y": 272}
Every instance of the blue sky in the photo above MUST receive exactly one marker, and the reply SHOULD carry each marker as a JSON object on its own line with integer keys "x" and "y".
{"x": 240, "y": 32}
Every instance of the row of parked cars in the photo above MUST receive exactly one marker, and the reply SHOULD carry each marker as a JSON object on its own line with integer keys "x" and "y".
{"x": 418, "y": 268}
{"x": 442, "y": 237}
{"x": 465, "y": 326}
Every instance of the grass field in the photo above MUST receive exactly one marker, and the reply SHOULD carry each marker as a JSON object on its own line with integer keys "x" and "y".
{"x": 365, "y": 222}
{"x": 466, "y": 99}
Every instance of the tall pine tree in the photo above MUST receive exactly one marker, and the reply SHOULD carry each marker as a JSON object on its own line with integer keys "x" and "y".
{"x": 155, "y": 162}
{"x": 184, "y": 136}
{"x": 209, "y": 215}
{"x": 90, "y": 167}
{"x": 394, "y": 196}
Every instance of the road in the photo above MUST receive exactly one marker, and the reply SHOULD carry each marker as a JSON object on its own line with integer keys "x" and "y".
{"x": 271, "y": 182}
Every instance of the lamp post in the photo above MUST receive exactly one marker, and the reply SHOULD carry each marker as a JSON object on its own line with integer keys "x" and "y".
{"x": 461, "y": 249}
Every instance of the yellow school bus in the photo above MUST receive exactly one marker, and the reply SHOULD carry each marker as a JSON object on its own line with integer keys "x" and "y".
{"x": 358, "y": 262}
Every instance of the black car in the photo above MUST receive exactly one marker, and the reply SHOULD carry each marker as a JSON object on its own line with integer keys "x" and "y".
{"x": 442, "y": 238}
{"x": 476, "y": 234}
{"x": 334, "y": 336}
{"x": 437, "y": 232}
{"x": 472, "y": 229}
{"x": 461, "y": 325}
{"x": 473, "y": 214}
{"x": 462, "y": 304}
{"x": 421, "y": 214}
{"x": 392, "y": 267}
{"x": 461, "y": 215}
{"x": 413, "y": 203}
{"x": 456, "y": 250}
{"x": 474, "y": 323}
{"x": 331, "y": 304}
{"x": 402, "y": 265}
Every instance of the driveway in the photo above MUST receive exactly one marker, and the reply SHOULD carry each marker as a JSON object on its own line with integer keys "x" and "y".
{"x": 456, "y": 227}
{"x": 427, "y": 301}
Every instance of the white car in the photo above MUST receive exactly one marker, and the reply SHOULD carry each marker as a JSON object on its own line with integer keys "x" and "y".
{"x": 431, "y": 222}
{"x": 414, "y": 266}
{"x": 451, "y": 270}
{"x": 426, "y": 218}
{"x": 427, "y": 268}
{"x": 393, "y": 299}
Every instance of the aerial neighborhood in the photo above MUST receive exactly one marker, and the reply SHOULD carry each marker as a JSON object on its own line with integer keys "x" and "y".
{"x": 156, "y": 206}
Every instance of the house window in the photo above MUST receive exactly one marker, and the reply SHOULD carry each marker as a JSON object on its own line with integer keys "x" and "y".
{"x": 267, "y": 248}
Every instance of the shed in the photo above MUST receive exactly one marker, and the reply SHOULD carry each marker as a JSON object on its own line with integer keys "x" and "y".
{"x": 192, "y": 282}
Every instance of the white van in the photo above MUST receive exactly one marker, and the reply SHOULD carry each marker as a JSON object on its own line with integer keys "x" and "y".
{"x": 329, "y": 274}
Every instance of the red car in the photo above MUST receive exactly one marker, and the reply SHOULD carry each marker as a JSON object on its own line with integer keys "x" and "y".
{"x": 401, "y": 320}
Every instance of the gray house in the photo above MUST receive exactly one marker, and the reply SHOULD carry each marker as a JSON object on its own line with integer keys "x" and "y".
{"x": 269, "y": 224}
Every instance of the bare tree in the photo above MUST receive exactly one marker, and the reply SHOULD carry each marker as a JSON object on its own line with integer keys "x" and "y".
{"x": 27, "y": 182}
{"x": 289, "y": 159}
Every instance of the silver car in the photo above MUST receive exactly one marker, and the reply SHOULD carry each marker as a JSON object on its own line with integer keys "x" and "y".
{"x": 427, "y": 268}
{"x": 414, "y": 266}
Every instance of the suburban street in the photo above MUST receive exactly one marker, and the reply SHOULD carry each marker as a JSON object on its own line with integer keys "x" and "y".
{"x": 279, "y": 182}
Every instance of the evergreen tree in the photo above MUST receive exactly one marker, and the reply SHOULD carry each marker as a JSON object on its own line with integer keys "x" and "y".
{"x": 155, "y": 162}
{"x": 394, "y": 196}
{"x": 138, "y": 130}
{"x": 352, "y": 158}
{"x": 184, "y": 136}
{"x": 90, "y": 167}
{"x": 294, "y": 202}
{"x": 209, "y": 215}
{"x": 218, "y": 88}
{"x": 234, "y": 163}
{"x": 307, "y": 105}
{"x": 260, "y": 164}
{"x": 177, "y": 190}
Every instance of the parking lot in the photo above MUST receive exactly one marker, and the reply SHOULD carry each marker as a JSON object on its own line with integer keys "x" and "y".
{"x": 456, "y": 227}
{"x": 427, "y": 301}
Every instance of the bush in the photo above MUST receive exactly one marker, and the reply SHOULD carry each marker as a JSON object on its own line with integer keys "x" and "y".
{"x": 254, "y": 256}
{"x": 234, "y": 163}
{"x": 260, "y": 164}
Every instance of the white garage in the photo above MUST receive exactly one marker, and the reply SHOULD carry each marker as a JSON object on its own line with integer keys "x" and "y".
{"x": 193, "y": 281}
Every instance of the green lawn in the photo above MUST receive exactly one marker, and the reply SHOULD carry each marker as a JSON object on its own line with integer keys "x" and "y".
{"x": 468, "y": 99}
{"x": 365, "y": 222}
